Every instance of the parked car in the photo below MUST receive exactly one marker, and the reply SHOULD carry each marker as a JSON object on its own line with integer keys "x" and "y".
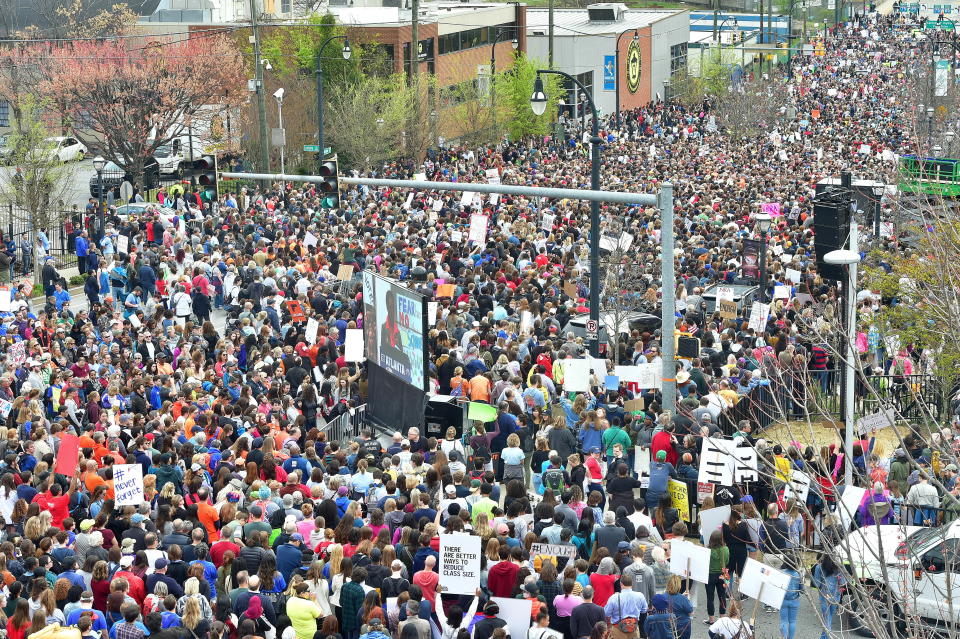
{"x": 633, "y": 321}
{"x": 905, "y": 568}
{"x": 67, "y": 149}
{"x": 114, "y": 175}
{"x": 743, "y": 294}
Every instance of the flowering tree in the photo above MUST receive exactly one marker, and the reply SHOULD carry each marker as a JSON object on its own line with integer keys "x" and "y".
{"x": 130, "y": 99}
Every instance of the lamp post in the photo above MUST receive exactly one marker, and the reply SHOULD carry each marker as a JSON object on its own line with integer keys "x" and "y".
{"x": 763, "y": 221}
{"x": 347, "y": 52}
{"x": 877, "y": 199}
{"x": 616, "y": 70}
{"x": 929, "y": 126}
{"x": 538, "y": 103}
{"x": 278, "y": 94}
{"x": 493, "y": 70}
{"x": 98, "y": 164}
{"x": 850, "y": 258}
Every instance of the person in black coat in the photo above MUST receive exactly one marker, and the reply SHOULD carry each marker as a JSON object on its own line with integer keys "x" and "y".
{"x": 49, "y": 276}
{"x": 91, "y": 288}
{"x": 201, "y": 306}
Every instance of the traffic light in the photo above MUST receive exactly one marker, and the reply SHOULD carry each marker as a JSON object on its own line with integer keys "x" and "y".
{"x": 205, "y": 171}
{"x": 329, "y": 186}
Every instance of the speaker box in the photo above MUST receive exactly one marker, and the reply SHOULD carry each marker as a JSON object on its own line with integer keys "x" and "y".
{"x": 831, "y": 227}
{"x": 688, "y": 347}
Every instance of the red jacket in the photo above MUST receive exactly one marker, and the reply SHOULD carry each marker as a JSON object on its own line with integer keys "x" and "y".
{"x": 661, "y": 441}
{"x": 502, "y": 578}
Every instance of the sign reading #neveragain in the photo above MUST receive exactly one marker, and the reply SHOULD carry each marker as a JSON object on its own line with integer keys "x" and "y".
{"x": 460, "y": 564}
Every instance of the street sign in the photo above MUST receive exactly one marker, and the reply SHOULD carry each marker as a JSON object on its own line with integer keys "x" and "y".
{"x": 315, "y": 148}
{"x": 943, "y": 25}
{"x": 593, "y": 329}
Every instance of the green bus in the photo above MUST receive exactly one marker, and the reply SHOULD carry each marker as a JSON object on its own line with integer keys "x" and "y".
{"x": 930, "y": 176}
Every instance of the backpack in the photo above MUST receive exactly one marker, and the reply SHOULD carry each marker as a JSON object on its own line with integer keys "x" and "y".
{"x": 482, "y": 451}
{"x": 552, "y": 478}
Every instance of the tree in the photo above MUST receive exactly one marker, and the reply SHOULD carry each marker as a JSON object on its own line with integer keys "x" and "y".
{"x": 130, "y": 100}
{"x": 749, "y": 109}
{"x": 624, "y": 282}
{"x": 514, "y": 88}
{"x": 64, "y": 19}
{"x": 367, "y": 122}
{"x": 40, "y": 180}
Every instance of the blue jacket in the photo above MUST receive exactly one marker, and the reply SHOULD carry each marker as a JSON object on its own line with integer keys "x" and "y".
{"x": 289, "y": 558}
{"x": 660, "y": 625}
{"x": 83, "y": 246}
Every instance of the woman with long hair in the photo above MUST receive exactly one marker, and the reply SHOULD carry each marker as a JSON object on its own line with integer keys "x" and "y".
{"x": 193, "y": 620}
{"x": 19, "y": 622}
{"x": 719, "y": 558}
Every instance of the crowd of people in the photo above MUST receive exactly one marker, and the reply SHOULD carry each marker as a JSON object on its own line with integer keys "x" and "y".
{"x": 256, "y": 524}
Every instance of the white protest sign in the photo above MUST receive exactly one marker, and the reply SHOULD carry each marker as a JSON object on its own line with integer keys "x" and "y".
{"x": 5, "y": 408}
{"x": 690, "y": 560}
{"x": 781, "y": 292}
{"x": 886, "y": 229}
{"x": 128, "y": 484}
{"x": 494, "y": 198}
{"x": 313, "y": 326}
{"x": 135, "y": 321}
{"x": 793, "y": 275}
{"x": 716, "y": 462}
{"x": 849, "y": 503}
{"x": 456, "y": 236}
{"x": 478, "y": 228}
{"x": 576, "y": 375}
{"x": 758, "y": 316}
{"x": 4, "y": 299}
{"x": 547, "y": 222}
{"x": 725, "y": 293}
{"x": 554, "y": 550}
{"x": 459, "y": 563}
{"x": 649, "y": 376}
{"x": 876, "y": 421}
{"x": 18, "y": 352}
{"x": 641, "y": 465}
{"x": 437, "y": 205}
{"x": 310, "y": 239}
{"x": 516, "y": 612}
{"x": 123, "y": 244}
{"x": 760, "y": 581}
{"x": 432, "y": 308}
{"x": 712, "y": 519}
{"x": 353, "y": 345}
{"x": 526, "y": 322}
{"x": 798, "y": 487}
{"x": 466, "y": 198}
{"x": 493, "y": 176}
{"x": 628, "y": 374}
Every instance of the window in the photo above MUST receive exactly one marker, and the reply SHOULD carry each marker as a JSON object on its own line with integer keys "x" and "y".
{"x": 571, "y": 99}
{"x": 453, "y": 42}
{"x": 4, "y": 113}
{"x": 678, "y": 58}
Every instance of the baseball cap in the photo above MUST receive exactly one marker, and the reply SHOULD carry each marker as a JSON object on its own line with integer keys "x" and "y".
{"x": 746, "y": 499}
{"x": 451, "y": 489}
{"x": 661, "y": 455}
{"x": 126, "y": 561}
{"x": 161, "y": 564}
{"x": 474, "y": 484}
{"x": 296, "y": 537}
{"x": 137, "y": 518}
{"x": 623, "y": 545}
{"x": 660, "y": 602}
{"x": 86, "y": 595}
{"x": 86, "y": 525}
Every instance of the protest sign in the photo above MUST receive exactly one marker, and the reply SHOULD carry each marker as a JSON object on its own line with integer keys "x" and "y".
{"x": 728, "y": 309}
{"x": 716, "y": 464}
{"x": 798, "y": 486}
{"x": 690, "y": 560}
{"x": 432, "y": 308}
{"x": 123, "y": 244}
{"x": 296, "y": 311}
{"x": 128, "y": 484}
{"x": 763, "y": 582}
{"x": 758, "y": 316}
{"x": 516, "y": 612}
{"x": 554, "y": 550}
{"x": 641, "y": 464}
{"x": 876, "y": 421}
{"x": 679, "y": 496}
{"x": 493, "y": 176}
{"x": 310, "y": 239}
{"x": 313, "y": 326}
{"x": 576, "y": 375}
{"x": 459, "y": 563}
{"x": 712, "y": 519}
{"x": 353, "y": 345}
{"x": 478, "y": 228}
{"x": 345, "y": 272}
{"x": 68, "y": 455}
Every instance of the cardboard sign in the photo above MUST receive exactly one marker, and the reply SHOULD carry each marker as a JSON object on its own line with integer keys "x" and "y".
{"x": 493, "y": 176}
{"x": 296, "y": 311}
{"x": 781, "y": 292}
{"x": 345, "y": 272}
{"x": 5, "y": 299}
{"x": 798, "y": 487}
{"x": 310, "y": 239}
{"x": 728, "y": 309}
{"x": 634, "y": 405}
{"x": 570, "y": 289}
{"x": 68, "y": 455}
{"x": 353, "y": 345}
{"x": 554, "y": 550}
{"x": 760, "y": 581}
{"x": 128, "y": 484}
{"x": 313, "y": 327}
{"x": 689, "y": 560}
{"x": 123, "y": 244}
{"x": 876, "y": 421}
{"x": 704, "y": 490}
{"x": 18, "y": 352}
{"x": 716, "y": 462}
{"x": 758, "y": 316}
{"x": 576, "y": 375}
{"x": 446, "y": 290}
{"x": 641, "y": 465}
{"x": 432, "y": 308}
{"x": 712, "y": 519}
{"x": 459, "y": 564}
{"x": 680, "y": 498}
{"x": 478, "y": 228}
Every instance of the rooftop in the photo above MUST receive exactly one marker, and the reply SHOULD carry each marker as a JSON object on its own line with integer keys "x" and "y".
{"x": 574, "y": 22}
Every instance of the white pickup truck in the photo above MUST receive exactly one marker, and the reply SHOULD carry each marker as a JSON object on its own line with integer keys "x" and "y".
{"x": 915, "y": 569}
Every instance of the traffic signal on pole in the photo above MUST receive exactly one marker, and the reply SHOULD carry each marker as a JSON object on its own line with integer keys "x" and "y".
{"x": 205, "y": 171}
{"x": 329, "y": 186}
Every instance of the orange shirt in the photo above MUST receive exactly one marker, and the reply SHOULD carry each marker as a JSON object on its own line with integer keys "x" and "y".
{"x": 479, "y": 388}
{"x": 209, "y": 517}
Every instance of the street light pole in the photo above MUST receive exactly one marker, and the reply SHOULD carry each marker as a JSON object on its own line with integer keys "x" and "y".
{"x": 616, "y": 67}
{"x": 538, "y": 102}
{"x": 850, "y": 258}
{"x": 98, "y": 164}
{"x": 763, "y": 225}
{"x": 278, "y": 94}
{"x": 346, "y": 56}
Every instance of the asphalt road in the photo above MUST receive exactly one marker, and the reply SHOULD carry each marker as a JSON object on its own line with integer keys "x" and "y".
{"x": 77, "y": 191}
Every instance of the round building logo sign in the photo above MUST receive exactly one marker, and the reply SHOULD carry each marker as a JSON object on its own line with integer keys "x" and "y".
{"x": 633, "y": 67}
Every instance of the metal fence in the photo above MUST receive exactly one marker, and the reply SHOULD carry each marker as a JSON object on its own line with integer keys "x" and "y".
{"x": 816, "y": 395}
{"x": 346, "y": 427}
{"x": 16, "y": 225}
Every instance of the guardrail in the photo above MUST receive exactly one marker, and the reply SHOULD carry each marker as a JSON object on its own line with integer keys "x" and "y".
{"x": 346, "y": 427}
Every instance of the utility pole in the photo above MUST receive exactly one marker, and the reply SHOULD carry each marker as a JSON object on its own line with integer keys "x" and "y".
{"x": 668, "y": 306}
{"x": 550, "y": 35}
{"x": 415, "y": 35}
{"x": 716, "y": 10}
{"x": 261, "y": 99}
